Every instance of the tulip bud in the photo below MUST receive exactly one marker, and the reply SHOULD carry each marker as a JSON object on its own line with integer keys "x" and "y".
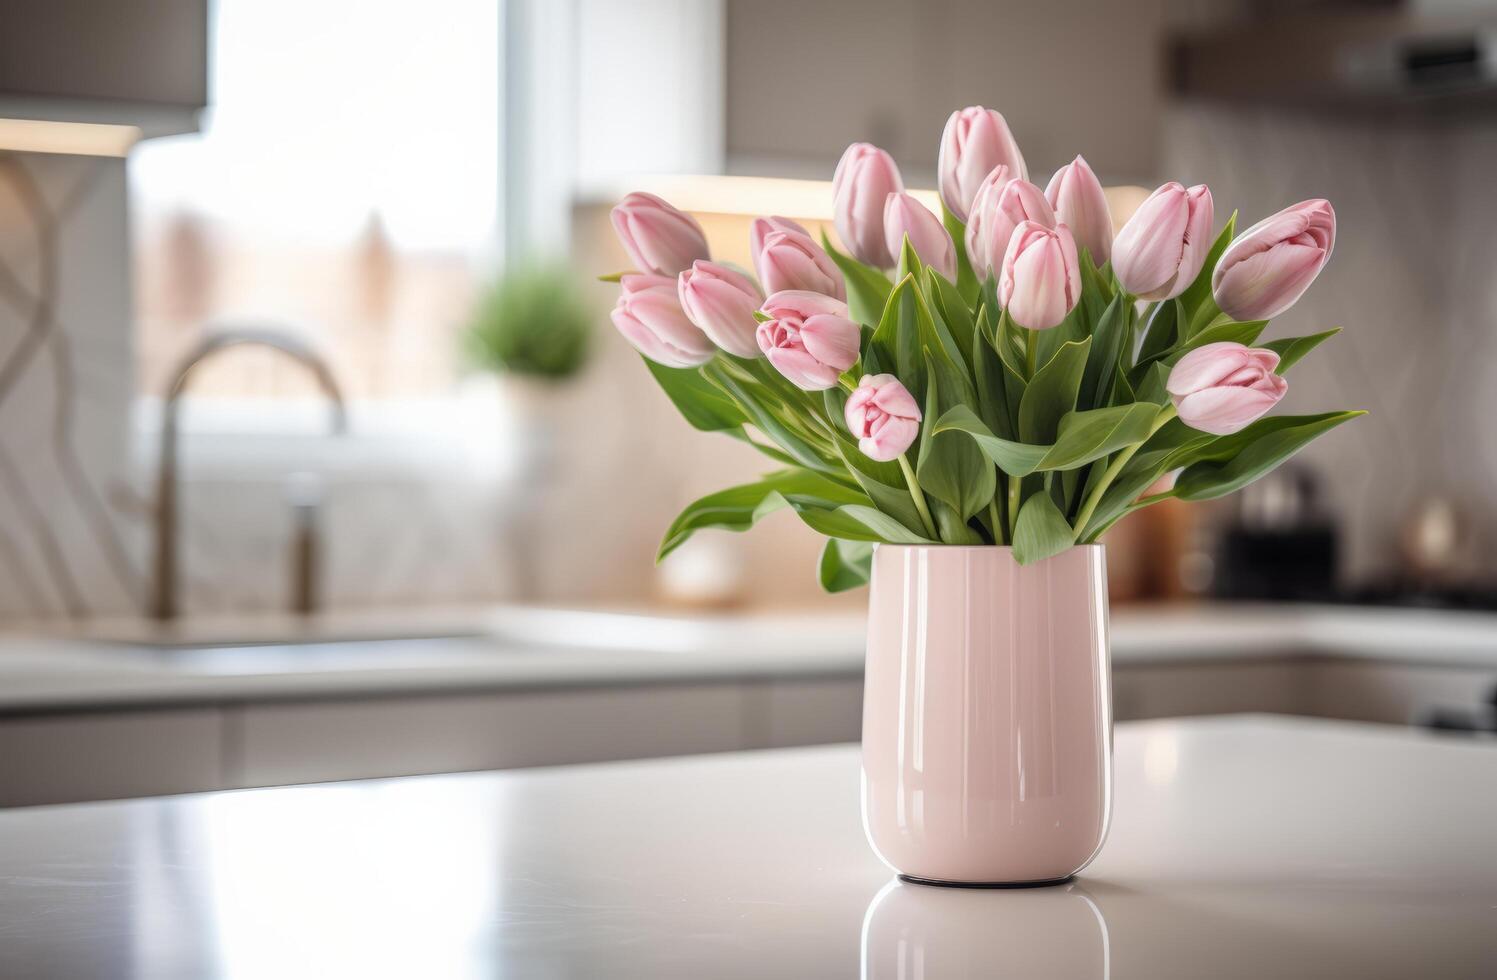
{"x": 1161, "y": 249}
{"x": 1001, "y": 206}
{"x": 809, "y": 339}
{"x": 762, "y": 228}
{"x": 1220, "y": 388}
{"x": 974, "y": 142}
{"x": 1076, "y": 195}
{"x": 882, "y": 415}
{"x": 865, "y": 177}
{"x": 722, "y": 302}
{"x": 650, "y": 317}
{"x": 903, "y": 215}
{"x": 659, "y": 238}
{"x": 791, "y": 260}
{"x": 1040, "y": 280}
{"x": 1267, "y": 268}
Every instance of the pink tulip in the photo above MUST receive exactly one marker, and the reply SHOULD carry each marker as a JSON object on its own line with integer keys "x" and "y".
{"x": 722, "y": 302}
{"x": 1040, "y": 280}
{"x": 1220, "y": 388}
{"x": 1267, "y": 268}
{"x": 762, "y": 228}
{"x": 1161, "y": 249}
{"x": 903, "y": 215}
{"x": 658, "y": 237}
{"x": 974, "y": 142}
{"x": 1076, "y": 194}
{"x": 865, "y": 177}
{"x": 810, "y": 340}
{"x": 650, "y": 317}
{"x": 1000, "y": 206}
{"x": 791, "y": 260}
{"x": 883, "y": 416}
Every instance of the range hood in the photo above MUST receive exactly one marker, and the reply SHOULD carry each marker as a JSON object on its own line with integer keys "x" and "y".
{"x": 1433, "y": 54}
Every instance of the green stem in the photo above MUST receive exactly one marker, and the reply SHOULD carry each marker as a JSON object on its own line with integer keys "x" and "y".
{"x": 997, "y": 524}
{"x": 917, "y": 495}
{"x": 1015, "y": 484}
{"x": 1114, "y": 468}
{"x": 1031, "y": 350}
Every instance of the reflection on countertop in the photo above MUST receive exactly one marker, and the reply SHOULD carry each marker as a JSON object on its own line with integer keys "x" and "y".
{"x": 1245, "y": 847}
{"x": 260, "y": 658}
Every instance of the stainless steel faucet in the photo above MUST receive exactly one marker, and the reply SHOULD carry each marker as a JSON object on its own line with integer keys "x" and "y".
{"x": 164, "y": 584}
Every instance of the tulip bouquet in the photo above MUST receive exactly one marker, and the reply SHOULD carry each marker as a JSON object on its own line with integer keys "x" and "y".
{"x": 1023, "y": 377}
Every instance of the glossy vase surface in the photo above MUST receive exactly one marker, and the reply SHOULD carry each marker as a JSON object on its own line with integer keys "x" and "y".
{"x": 987, "y": 713}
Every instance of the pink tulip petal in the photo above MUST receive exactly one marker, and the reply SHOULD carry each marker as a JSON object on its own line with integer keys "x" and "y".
{"x": 1223, "y": 411}
{"x": 831, "y": 340}
{"x": 803, "y": 370}
{"x": 803, "y": 303}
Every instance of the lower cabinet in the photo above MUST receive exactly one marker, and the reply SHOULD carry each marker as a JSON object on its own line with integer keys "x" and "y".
{"x": 403, "y": 736}
{"x": 92, "y": 755}
{"x": 1141, "y": 691}
{"x": 66, "y": 757}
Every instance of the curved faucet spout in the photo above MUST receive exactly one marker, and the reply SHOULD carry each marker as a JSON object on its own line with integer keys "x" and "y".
{"x": 163, "y": 599}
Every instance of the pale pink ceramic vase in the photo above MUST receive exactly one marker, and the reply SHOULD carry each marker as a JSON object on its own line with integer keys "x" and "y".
{"x": 987, "y": 714}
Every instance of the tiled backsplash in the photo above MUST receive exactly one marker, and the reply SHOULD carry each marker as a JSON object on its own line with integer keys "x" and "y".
{"x": 66, "y": 387}
{"x": 1414, "y": 283}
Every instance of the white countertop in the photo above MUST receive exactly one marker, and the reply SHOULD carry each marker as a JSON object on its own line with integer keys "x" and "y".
{"x": 1245, "y": 847}
{"x": 527, "y": 648}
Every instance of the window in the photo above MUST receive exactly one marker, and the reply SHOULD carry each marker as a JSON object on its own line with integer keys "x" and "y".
{"x": 344, "y": 186}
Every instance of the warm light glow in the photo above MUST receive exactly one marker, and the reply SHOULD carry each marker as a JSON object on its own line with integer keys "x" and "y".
{"x": 809, "y": 200}
{"x": 718, "y": 194}
{"x": 85, "y": 139}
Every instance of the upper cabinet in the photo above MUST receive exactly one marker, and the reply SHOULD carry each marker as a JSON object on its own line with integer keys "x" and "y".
{"x": 805, "y": 79}
{"x": 122, "y": 63}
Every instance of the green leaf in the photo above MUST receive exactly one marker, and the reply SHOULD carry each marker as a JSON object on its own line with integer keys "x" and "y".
{"x": 955, "y": 316}
{"x": 1102, "y": 360}
{"x": 740, "y": 508}
{"x": 1223, "y": 329}
{"x": 762, "y": 415}
{"x": 1197, "y": 295}
{"x": 950, "y": 526}
{"x": 1087, "y": 436}
{"x": 896, "y": 339}
{"x": 1291, "y": 349}
{"x": 845, "y": 564}
{"x": 1041, "y": 530}
{"x": 1083, "y": 437}
{"x": 704, "y": 406}
{"x": 1052, "y": 393}
{"x": 1160, "y": 337}
{"x": 856, "y": 522}
{"x": 884, "y": 485}
{"x": 1013, "y": 458}
{"x": 967, "y": 278}
{"x": 1152, "y": 387}
{"x": 1261, "y": 451}
{"x": 951, "y": 468}
{"x": 992, "y": 400}
{"x": 867, "y": 287}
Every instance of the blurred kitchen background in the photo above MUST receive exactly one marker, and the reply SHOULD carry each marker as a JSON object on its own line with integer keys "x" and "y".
{"x": 182, "y": 181}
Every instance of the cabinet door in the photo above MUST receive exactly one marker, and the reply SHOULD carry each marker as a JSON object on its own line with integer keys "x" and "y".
{"x": 1176, "y": 690}
{"x": 806, "y": 711}
{"x": 1395, "y": 693}
{"x": 313, "y": 742}
{"x": 64, "y": 758}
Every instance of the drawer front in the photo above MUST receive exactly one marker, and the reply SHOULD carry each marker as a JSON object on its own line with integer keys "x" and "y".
{"x": 314, "y": 742}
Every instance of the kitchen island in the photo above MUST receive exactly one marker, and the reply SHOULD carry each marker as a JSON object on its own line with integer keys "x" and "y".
{"x": 1253, "y": 846}
{"x": 143, "y": 709}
